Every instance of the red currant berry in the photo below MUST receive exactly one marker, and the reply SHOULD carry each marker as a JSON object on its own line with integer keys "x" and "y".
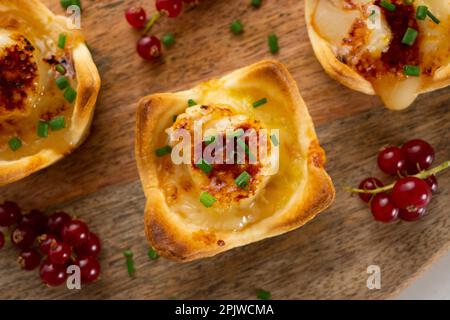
{"x": 75, "y": 233}
{"x": 29, "y": 259}
{"x": 23, "y": 237}
{"x": 412, "y": 215}
{"x": 171, "y": 8}
{"x": 419, "y": 155}
{"x": 136, "y": 17}
{"x": 9, "y": 214}
{"x": 391, "y": 160}
{"x": 46, "y": 241}
{"x": 369, "y": 184}
{"x": 149, "y": 48}
{"x": 59, "y": 253}
{"x": 91, "y": 248}
{"x": 36, "y": 220}
{"x": 383, "y": 208}
{"x": 52, "y": 274}
{"x": 2, "y": 240}
{"x": 56, "y": 222}
{"x": 411, "y": 193}
{"x": 432, "y": 183}
{"x": 89, "y": 268}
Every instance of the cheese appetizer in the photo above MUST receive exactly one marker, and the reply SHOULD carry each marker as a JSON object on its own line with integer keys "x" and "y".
{"x": 48, "y": 88}
{"x": 396, "y": 49}
{"x": 228, "y": 188}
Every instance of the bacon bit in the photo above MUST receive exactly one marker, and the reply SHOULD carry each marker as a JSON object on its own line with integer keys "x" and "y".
{"x": 18, "y": 72}
{"x": 221, "y": 243}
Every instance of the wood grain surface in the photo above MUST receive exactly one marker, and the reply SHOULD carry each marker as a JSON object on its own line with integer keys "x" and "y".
{"x": 325, "y": 259}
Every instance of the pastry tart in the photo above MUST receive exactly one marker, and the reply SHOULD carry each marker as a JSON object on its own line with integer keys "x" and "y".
{"x": 390, "y": 48}
{"x": 48, "y": 88}
{"x": 275, "y": 181}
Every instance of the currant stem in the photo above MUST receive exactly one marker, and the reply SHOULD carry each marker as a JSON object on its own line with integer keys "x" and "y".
{"x": 152, "y": 21}
{"x": 421, "y": 175}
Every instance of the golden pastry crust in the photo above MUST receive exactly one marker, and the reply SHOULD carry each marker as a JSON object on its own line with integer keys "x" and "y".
{"x": 178, "y": 238}
{"x": 348, "y": 76}
{"x": 88, "y": 85}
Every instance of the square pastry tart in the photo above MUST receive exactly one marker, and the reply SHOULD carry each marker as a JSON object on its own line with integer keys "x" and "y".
{"x": 230, "y": 162}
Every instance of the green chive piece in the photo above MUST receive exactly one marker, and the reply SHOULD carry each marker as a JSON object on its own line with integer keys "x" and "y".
{"x": 15, "y": 144}
{"x": 237, "y": 133}
{"x": 408, "y": 2}
{"x": 272, "y": 40}
{"x": 243, "y": 180}
{"x": 62, "y": 40}
{"x": 42, "y": 129}
{"x": 209, "y": 140}
{"x": 388, "y": 5}
{"x": 57, "y": 123}
{"x": 128, "y": 254}
{"x": 433, "y": 17}
{"x": 237, "y": 27}
{"x": 410, "y": 36}
{"x": 175, "y": 117}
{"x": 256, "y": 3}
{"x": 244, "y": 146}
{"x": 70, "y": 94}
{"x": 413, "y": 71}
{"x": 62, "y": 82}
{"x": 168, "y": 40}
{"x": 205, "y": 166}
{"x": 372, "y": 15}
{"x": 207, "y": 200}
{"x": 67, "y": 3}
{"x": 259, "y": 103}
{"x": 60, "y": 68}
{"x": 191, "y": 103}
{"x": 263, "y": 294}
{"x": 421, "y": 12}
{"x": 152, "y": 254}
{"x": 274, "y": 140}
{"x": 161, "y": 152}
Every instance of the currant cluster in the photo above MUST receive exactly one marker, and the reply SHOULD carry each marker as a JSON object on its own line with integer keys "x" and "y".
{"x": 149, "y": 47}
{"x": 52, "y": 242}
{"x": 409, "y": 196}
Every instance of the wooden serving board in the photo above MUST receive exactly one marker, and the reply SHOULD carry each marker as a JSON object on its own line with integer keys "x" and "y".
{"x": 327, "y": 258}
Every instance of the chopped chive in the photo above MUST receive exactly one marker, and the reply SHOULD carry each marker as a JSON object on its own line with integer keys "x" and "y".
{"x": 209, "y": 140}
{"x": 413, "y": 71}
{"x": 152, "y": 254}
{"x": 205, "y": 166}
{"x": 272, "y": 40}
{"x": 237, "y": 27}
{"x": 67, "y": 3}
{"x": 410, "y": 36}
{"x": 408, "y": 2}
{"x": 70, "y": 94}
{"x": 128, "y": 254}
{"x": 244, "y": 146}
{"x": 161, "y": 152}
{"x": 191, "y": 103}
{"x": 433, "y": 17}
{"x": 175, "y": 118}
{"x": 421, "y": 12}
{"x": 372, "y": 16}
{"x": 42, "y": 129}
{"x": 237, "y": 133}
{"x": 62, "y": 82}
{"x": 60, "y": 68}
{"x": 263, "y": 294}
{"x": 207, "y": 200}
{"x": 388, "y": 5}
{"x": 274, "y": 140}
{"x": 168, "y": 40}
{"x": 259, "y": 103}
{"x": 62, "y": 40}
{"x": 256, "y": 3}
{"x": 243, "y": 180}
{"x": 15, "y": 144}
{"x": 57, "y": 123}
